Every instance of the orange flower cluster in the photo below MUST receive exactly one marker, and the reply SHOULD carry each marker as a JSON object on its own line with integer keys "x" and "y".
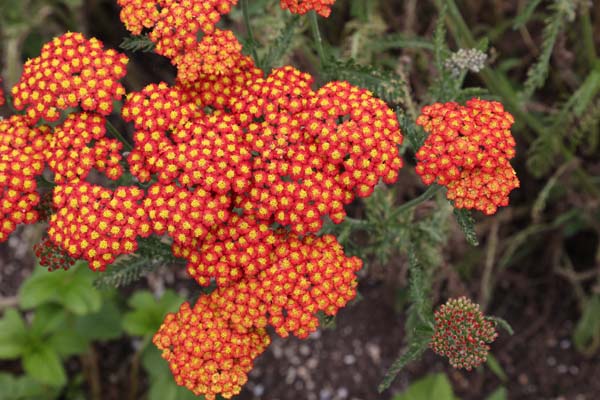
{"x": 174, "y": 28}
{"x": 211, "y": 347}
{"x": 207, "y": 351}
{"x": 468, "y": 151}
{"x": 21, "y": 160}
{"x": 322, "y": 7}
{"x": 71, "y": 71}
{"x": 69, "y": 156}
{"x": 462, "y": 333}
{"x": 97, "y": 224}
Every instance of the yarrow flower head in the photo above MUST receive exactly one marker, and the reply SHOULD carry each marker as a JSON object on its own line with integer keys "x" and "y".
{"x": 322, "y": 7}
{"x": 71, "y": 71}
{"x": 462, "y": 333}
{"x": 21, "y": 161}
{"x": 468, "y": 151}
{"x": 51, "y": 256}
{"x": 208, "y": 352}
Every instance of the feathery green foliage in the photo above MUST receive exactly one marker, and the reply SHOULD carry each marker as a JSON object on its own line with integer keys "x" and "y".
{"x": 467, "y": 225}
{"x": 137, "y": 43}
{"x": 281, "y": 45}
{"x": 536, "y": 75}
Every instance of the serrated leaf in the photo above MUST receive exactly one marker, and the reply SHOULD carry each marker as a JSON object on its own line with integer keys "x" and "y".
{"x": 39, "y": 288}
{"x": 413, "y": 352}
{"x": 48, "y": 318}
{"x": 431, "y": 387}
{"x": 467, "y": 225}
{"x": 13, "y": 335}
{"x": 43, "y": 364}
{"x": 281, "y": 44}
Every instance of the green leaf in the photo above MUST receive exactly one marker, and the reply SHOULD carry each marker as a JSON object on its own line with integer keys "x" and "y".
{"x": 502, "y": 323}
{"x": 48, "y": 318}
{"x": 40, "y": 288}
{"x": 495, "y": 367}
{"x": 23, "y": 388}
{"x": 68, "y": 342}
{"x": 467, "y": 225}
{"x": 148, "y": 312}
{"x": 137, "y": 43}
{"x": 102, "y": 325}
{"x": 73, "y": 289}
{"x": 162, "y": 384}
{"x": 431, "y": 387}
{"x": 13, "y": 335}
{"x": 43, "y": 364}
{"x": 499, "y": 394}
{"x": 586, "y": 336}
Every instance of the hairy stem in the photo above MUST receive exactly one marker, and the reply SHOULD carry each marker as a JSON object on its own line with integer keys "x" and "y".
{"x": 249, "y": 30}
{"x": 316, "y": 32}
{"x": 426, "y": 195}
{"x": 118, "y": 135}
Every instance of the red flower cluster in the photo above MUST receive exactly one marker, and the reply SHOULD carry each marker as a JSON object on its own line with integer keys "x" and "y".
{"x": 211, "y": 348}
{"x": 68, "y": 153}
{"x": 468, "y": 151}
{"x": 208, "y": 352}
{"x": 322, "y": 7}
{"x": 21, "y": 160}
{"x": 174, "y": 28}
{"x": 97, "y": 224}
{"x": 70, "y": 71}
{"x": 461, "y": 333}
{"x": 51, "y": 256}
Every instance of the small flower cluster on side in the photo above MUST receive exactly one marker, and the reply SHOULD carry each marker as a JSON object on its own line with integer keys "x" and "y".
{"x": 468, "y": 151}
{"x": 462, "y": 333}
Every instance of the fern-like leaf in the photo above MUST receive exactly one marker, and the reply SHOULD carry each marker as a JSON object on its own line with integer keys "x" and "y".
{"x": 281, "y": 45}
{"x": 137, "y": 43}
{"x": 414, "y": 350}
{"x": 125, "y": 272}
{"x": 419, "y": 289}
{"x": 537, "y": 73}
{"x": 402, "y": 41}
{"x": 385, "y": 85}
{"x": 467, "y": 225}
{"x": 415, "y": 135}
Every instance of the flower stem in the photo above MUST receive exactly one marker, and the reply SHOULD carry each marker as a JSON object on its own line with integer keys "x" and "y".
{"x": 118, "y": 135}
{"x": 249, "y": 30}
{"x": 314, "y": 25}
{"x": 426, "y": 195}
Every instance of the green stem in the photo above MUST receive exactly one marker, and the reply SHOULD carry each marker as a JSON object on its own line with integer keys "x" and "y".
{"x": 249, "y": 30}
{"x": 316, "y": 32}
{"x": 118, "y": 135}
{"x": 426, "y": 195}
{"x": 588, "y": 36}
